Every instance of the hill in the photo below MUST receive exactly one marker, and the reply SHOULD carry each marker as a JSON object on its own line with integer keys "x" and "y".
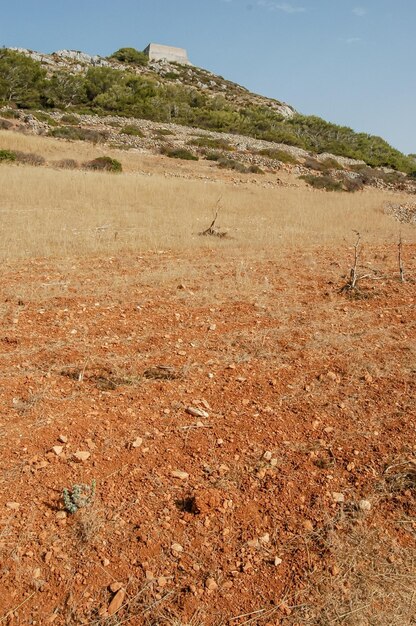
{"x": 126, "y": 84}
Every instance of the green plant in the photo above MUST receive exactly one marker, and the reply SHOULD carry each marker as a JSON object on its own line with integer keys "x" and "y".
{"x": 278, "y": 155}
{"x": 232, "y": 164}
{"x": 69, "y": 118}
{"x": 130, "y": 56}
{"x": 132, "y": 130}
{"x": 79, "y": 134}
{"x": 78, "y": 497}
{"x": 178, "y": 153}
{"x": 7, "y": 155}
{"x": 104, "y": 163}
{"x": 163, "y": 132}
{"x": 210, "y": 142}
{"x": 322, "y": 182}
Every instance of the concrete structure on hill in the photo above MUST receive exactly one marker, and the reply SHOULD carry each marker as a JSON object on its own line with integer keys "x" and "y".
{"x": 157, "y": 52}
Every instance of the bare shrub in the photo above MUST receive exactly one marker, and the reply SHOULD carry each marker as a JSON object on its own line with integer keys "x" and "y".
{"x": 29, "y": 158}
{"x": 68, "y": 164}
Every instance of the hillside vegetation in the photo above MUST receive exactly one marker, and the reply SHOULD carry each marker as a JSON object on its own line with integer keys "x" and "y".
{"x": 125, "y": 87}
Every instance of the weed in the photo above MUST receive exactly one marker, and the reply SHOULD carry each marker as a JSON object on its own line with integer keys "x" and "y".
{"x": 78, "y": 497}
{"x": 104, "y": 164}
{"x": 131, "y": 130}
{"x": 322, "y": 182}
{"x": 7, "y": 155}
{"x": 178, "y": 153}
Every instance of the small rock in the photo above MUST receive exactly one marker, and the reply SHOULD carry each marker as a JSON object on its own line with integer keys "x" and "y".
{"x": 61, "y": 515}
{"x": 137, "y": 442}
{"x": 364, "y": 505}
{"x": 195, "y": 412}
{"x": 14, "y": 506}
{"x": 176, "y": 547}
{"x": 267, "y": 456}
{"x": 265, "y": 538}
{"x": 162, "y": 581}
{"x": 338, "y": 497}
{"x": 307, "y": 525}
{"x": 179, "y": 474}
{"x": 63, "y": 439}
{"x": 116, "y": 602}
{"x": 273, "y": 462}
{"x": 212, "y": 327}
{"x": 82, "y": 455}
{"x": 37, "y": 572}
{"x": 210, "y": 584}
{"x": 277, "y": 561}
{"x": 114, "y": 587}
{"x": 57, "y": 450}
{"x": 149, "y": 575}
{"x": 106, "y": 562}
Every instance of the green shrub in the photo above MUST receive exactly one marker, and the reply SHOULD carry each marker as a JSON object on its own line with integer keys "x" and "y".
{"x": 322, "y": 182}
{"x": 178, "y": 153}
{"x": 10, "y": 114}
{"x": 78, "y": 497}
{"x": 163, "y": 132}
{"x": 213, "y": 156}
{"x": 68, "y": 118}
{"x": 132, "y": 130}
{"x": 130, "y": 56}
{"x": 104, "y": 164}
{"x": 210, "y": 142}
{"x": 7, "y": 155}
{"x": 232, "y": 164}
{"x": 255, "y": 169}
{"x": 81, "y": 134}
{"x": 278, "y": 155}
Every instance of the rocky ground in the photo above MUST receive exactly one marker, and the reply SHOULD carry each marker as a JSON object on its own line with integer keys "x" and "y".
{"x": 247, "y": 442}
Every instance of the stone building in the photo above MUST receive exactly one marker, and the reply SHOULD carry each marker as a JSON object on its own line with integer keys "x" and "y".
{"x": 157, "y": 52}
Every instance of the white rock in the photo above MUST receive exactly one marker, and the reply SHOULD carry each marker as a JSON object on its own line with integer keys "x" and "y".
{"x": 338, "y": 497}
{"x": 14, "y": 506}
{"x": 196, "y": 412}
{"x": 137, "y": 442}
{"x": 277, "y": 561}
{"x": 176, "y": 547}
{"x": 82, "y": 455}
{"x": 267, "y": 456}
{"x": 179, "y": 474}
{"x": 57, "y": 450}
{"x": 364, "y": 505}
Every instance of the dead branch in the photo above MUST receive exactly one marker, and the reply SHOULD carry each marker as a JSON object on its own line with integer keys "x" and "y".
{"x": 212, "y": 230}
{"x": 401, "y": 268}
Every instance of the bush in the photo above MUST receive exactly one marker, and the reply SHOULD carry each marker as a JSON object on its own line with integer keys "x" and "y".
{"x": 68, "y": 118}
{"x": 133, "y": 131}
{"x": 353, "y": 184}
{"x": 5, "y": 124}
{"x": 278, "y": 155}
{"x": 255, "y": 169}
{"x": 68, "y": 164}
{"x": 232, "y": 164}
{"x": 104, "y": 164}
{"x": 210, "y": 142}
{"x": 7, "y": 155}
{"x": 163, "y": 132}
{"x": 322, "y": 182}
{"x": 130, "y": 56}
{"x": 10, "y": 114}
{"x": 29, "y": 158}
{"x": 79, "y": 134}
{"x": 213, "y": 156}
{"x": 178, "y": 153}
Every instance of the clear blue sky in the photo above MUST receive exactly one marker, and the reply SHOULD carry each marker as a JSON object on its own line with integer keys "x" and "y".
{"x": 351, "y": 62}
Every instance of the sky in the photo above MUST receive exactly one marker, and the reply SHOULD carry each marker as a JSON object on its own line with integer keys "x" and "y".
{"x": 351, "y": 62}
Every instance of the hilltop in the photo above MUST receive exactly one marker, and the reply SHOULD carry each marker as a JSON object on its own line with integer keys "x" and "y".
{"x": 126, "y": 84}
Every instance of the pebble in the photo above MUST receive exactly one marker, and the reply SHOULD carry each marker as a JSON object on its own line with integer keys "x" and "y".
{"x": 63, "y": 439}
{"x": 307, "y": 524}
{"x": 210, "y": 584}
{"x": 116, "y": 602}
{"x": 176, "y": 547}
{"x": 338, "y": 497}
{"x": 267, "y": 456}
{"x": 137, "y": 442}
{"x": 162, "y": 581}
{"x": 57, "y": 450}
{"x": 277, "y": 561}
{"x": 196, "y": 412}
{"x": 61, "y": 515}
{"x": 116, "y": 586}
{"x": 212, "y": 327}
{"x": 82, "y": 455}
{"x": 14, "y": 506}
{"x": 106, "y": 562}
{"x": 179, "y": 474}
{"x": 364, "y": 505}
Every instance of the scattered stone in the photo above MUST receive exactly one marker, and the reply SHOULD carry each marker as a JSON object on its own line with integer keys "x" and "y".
{"x": 265, "y": 538}
{"x": 116, "y": 602}
{"x": 196, "y": 412}
{"x": 364, "y": 505}
{"x": 179, "y": 474}
{"x": 114, "y": 587}
{"x": 338, "y": 497}
{"x": 61, "y": 515}
{"x": 210, "y": 584}
{"x": 57, "y": 450}
{"x": 149, "y": 575}
{"x": 37, "y": 572}
{"x": 137, "y": 442}
{"x": 267, "y": 456}
{"x": 82, "y": 455}
{"x": 212, "y": 327}
{"x": 14, "y": 506}
{"x": 63, "y": 439}
{"x": 106, "y": 562}
{"x": 176, "y": 547}
{"x": 307, "y": 525}
{"x": 277, "y": 561}
{"x": 273, "y": 462}
{"x": 162, "y": 581}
